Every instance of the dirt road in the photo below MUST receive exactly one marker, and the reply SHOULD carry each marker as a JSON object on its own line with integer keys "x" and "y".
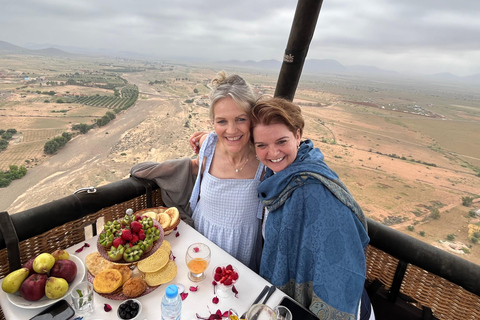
{"x": 104, "y": 154}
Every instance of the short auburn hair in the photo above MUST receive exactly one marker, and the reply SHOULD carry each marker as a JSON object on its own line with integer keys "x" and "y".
{"x": 278, "y": 110}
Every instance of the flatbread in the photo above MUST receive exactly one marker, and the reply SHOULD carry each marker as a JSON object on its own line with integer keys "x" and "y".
{"x": 124, "y": 270}
{"x": 164, "y": 275}
{"x": 95, "y": 263}
{"x": 107, "y": 281}
{"x": 155, "y": 262}
{"x": 174, "y": 215}
{"x": 151, "y": 214}
{"x": 166, "y": 246}
{"x": 164, "y": 220}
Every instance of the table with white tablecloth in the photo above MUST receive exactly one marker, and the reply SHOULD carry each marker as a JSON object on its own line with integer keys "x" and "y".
{"x": 199, "y": 302}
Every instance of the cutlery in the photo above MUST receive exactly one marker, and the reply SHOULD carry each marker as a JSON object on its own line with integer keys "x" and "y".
{"x": 260, "y": 296}
{"x": 269, "y": 294}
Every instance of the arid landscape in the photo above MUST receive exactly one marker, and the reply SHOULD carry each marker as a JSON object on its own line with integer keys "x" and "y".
{"x": 408, "y": 150}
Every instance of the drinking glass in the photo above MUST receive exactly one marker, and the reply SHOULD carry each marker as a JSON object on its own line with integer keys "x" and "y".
{"x": 82, "y": 298}
{"x": 283, "y": 313}
{"x": 197, "y": 258}
{"x": 261, "y": 312}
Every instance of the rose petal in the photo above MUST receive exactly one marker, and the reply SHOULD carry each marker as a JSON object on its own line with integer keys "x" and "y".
{"x": 175, "y": 228}
{"x": 79, "y": 249}
{"x": 184, "y": 295}
{"x": 214, "y": 285}
{"x": 87, "y": 245}
{"x": 215, "y": 300}
{"x": 177, "y": 234}
{"x": 107, "y": 307}
{"x": 192, "y": 288}
{"x": 219, "y": 312}
{"x": 196, "y": 249}
{"x": 226, "y": 314}
{"x": 235, "y": 291}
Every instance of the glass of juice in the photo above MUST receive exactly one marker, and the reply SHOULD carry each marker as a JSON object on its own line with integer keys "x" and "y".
{"x": 197, "y": 259}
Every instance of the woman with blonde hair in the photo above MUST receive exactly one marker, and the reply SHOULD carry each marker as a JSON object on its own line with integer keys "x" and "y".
{"x": 224, "y": 201}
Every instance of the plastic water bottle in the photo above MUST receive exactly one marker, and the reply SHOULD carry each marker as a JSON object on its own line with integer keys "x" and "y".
{"x": 171, "y": 304}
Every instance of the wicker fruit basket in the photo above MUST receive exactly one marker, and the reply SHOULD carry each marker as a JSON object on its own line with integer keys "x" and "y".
{"x": 172, "y": 212}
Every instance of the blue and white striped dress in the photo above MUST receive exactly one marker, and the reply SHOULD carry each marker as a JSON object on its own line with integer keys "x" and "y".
{"x": 228, "y": 211}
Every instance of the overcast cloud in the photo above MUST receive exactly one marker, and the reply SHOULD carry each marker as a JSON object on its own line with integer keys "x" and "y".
{"x": 421, "y": 36}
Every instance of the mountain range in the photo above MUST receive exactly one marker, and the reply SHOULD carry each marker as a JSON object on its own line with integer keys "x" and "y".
{"x": 311, "y": 66}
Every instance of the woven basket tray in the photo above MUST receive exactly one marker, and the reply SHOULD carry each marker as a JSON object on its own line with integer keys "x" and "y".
{"x": 158, "y": 210}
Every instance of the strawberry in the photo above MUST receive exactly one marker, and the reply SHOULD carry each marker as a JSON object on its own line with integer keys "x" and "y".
{"x": 227, "y": 282}
{"x": 135, "y": 226}
{"x": 135, "y": 238}
{"x": 229, "y": 267}
{"x": 217, "y": 276}
{"x": 234, "y": 276}
{"x": 141, "y": 235}
{"x": 117, "y": 242}
{"x": 126, "y": 235}
{"x": 218, "y": 270}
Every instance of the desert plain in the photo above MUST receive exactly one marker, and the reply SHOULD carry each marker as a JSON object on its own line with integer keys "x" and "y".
{"x": 408, "y": 149}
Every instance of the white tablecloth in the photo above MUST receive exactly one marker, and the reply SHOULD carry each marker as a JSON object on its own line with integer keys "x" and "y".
{"x": 249, "y": 285}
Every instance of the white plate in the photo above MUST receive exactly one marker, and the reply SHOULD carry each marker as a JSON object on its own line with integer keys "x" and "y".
{"x": 17, "y": 300}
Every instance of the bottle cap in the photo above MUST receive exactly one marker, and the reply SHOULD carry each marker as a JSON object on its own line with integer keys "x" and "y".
{"x": 181, "y": 288}
{"x": 171, "y": 291}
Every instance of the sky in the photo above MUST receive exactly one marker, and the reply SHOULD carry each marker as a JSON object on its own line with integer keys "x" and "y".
{"x": 407, "y": 36}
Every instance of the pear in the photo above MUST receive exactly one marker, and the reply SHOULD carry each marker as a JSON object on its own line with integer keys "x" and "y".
{"x": 43, "y": 263}
{"x": 14, "y": 280}
{"x": 56, "y": 287}
{"x": 60, "y": 255}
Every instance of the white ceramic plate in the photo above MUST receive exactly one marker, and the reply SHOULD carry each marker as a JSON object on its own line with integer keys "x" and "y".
{"x": 17, "y": 300}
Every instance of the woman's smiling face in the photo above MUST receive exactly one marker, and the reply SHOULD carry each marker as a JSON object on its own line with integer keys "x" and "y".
{"x": 276, "y": 146}
{"x": 232, "y": 125}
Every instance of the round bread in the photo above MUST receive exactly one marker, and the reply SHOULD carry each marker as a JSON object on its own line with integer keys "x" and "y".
{"x": 107, "y": 281}
{"x": 95, "y": 263}
{"x": 151, "y": 214}
{"x": 164, "y": 220}
{"x": 134, "y": 287}
{"x": 174, "y": 215}
{"x": 124, "y": 270}
{"x": 155, "y": 262}
{"x": 166, "y": 246}
{"x": 164, "y": 275}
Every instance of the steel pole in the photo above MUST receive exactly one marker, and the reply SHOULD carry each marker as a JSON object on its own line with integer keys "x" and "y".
{"x": 301, "y": 34}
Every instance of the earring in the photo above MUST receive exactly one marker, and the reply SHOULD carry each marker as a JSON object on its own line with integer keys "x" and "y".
{"x": 256, "y": 157}
{"x": 298, "y": 147}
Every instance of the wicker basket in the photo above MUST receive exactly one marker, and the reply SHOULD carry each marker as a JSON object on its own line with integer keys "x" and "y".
{"x": 158, "y": 210}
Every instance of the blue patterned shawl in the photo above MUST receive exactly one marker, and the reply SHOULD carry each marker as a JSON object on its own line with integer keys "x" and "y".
{"x": 315, "y": 236}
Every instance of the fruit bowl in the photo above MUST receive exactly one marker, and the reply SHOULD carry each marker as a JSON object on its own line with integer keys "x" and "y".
{"x": 104, "y": 250}
{"x": 17, "y": 300}
{"x": 225, "y": 276}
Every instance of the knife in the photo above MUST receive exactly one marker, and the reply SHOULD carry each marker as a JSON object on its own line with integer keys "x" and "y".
{"x": 260, "y": 296}
{"x": 269, "y": 294}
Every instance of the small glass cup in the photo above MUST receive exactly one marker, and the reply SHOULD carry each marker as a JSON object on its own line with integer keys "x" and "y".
{"x": 197, "y": 258}
{"x": 283, "y": 313}
{"x": 261, "y": 312}
{"x": 225, "y": 290}
{"x": 233, "y": 314}
{"x": 82, "y": 298}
